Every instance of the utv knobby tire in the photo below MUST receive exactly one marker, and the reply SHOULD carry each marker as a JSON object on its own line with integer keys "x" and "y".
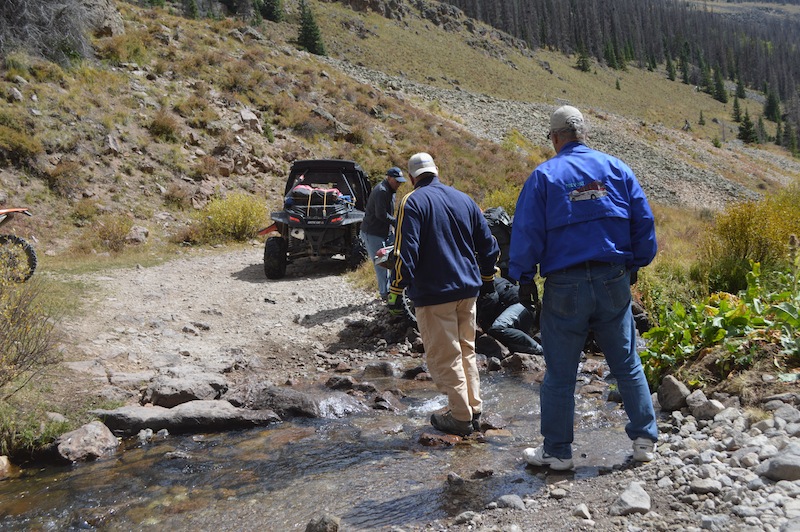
{"x": 275, "y": 257}
{"x": 357, "y": 254}
{"x": 17, "y": 259}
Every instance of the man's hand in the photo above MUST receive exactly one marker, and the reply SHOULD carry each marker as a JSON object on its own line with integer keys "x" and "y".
{"x": 487, "y": 288}
{"x": 395, "y": 304}
{"x": 529, "y": 295}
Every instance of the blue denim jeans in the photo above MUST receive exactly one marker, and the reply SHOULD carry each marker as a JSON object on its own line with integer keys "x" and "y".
{"x": 373, "y": 243}
{"x": 594, "y": 297}
{"x": 512, "y": 328}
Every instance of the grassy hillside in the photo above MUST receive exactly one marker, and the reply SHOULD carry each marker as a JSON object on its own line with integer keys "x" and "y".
{"x": 479, "y": 61}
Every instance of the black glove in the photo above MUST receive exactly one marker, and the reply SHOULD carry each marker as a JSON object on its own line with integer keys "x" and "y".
{"x": 487, "y": 288}
{"x": 395, "y": 304}
{"x": 634, "y": 276}
{"x": 529, "y": 295}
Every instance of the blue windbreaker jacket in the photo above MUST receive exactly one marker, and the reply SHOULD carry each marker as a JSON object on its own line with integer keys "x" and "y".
{"x": 580, "y": 205}
{"x": 443, "y": 245}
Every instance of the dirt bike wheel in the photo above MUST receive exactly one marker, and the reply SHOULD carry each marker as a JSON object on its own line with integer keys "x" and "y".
{"x": 17, "y": 259}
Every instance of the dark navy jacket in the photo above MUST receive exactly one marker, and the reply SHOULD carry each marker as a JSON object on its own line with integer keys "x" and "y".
{"x": 378, "y": 216}
{"x": 443, "y": 245}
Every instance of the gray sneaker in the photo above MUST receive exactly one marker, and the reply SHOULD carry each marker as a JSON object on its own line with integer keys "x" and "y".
{"x": 447, "y": 423}
{"x": 537, "y": 457}
{"x": 643, "y": 449}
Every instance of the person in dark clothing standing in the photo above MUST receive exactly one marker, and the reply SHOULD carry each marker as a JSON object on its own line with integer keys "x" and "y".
{"x": 379, "y": 222}
{"x": 504, "y": 318}
{"x": 583, "y": 218}
{"x": 445, "y": 256}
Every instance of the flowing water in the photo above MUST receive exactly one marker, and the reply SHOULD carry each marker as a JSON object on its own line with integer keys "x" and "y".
{"x": 370, "y": 470}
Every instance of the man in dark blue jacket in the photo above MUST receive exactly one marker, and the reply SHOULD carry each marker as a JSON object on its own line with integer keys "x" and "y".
{"x": 584, "y": 219}
{"x": 379, "y": 222}
{"x": 446, "y": 256}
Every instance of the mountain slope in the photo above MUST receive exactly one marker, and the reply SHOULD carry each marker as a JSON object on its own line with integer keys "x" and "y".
{"x": 157, "y": 127}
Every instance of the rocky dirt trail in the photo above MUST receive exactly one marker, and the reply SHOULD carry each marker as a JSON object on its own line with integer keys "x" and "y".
{"x": 216, "y": 310}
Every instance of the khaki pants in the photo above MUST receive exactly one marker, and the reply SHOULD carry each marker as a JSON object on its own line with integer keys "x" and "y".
{"x": 448, "y": 334}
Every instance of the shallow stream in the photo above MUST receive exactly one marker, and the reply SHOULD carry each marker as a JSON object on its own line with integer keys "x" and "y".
{"x": 370, "y": 470}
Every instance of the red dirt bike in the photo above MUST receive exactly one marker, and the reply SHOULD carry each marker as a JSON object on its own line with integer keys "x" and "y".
{"x": 17, "y": 257}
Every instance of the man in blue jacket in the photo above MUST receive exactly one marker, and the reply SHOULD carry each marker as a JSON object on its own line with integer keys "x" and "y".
{"x": 584, "y": 219}
{"x": 379, "y": 222}
{"x": 446, "y": 256}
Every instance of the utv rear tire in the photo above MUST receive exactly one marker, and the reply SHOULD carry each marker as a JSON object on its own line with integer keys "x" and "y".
{"x": 17, "y": 259}
{"x": 357, "y": 254}
{"x": 275, "y": 257}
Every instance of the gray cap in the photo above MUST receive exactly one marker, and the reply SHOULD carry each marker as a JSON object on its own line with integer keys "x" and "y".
{"x": 566, "y": 117}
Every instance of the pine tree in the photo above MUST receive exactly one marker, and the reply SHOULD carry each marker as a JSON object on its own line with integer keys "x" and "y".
{"x": 671, "y": 74}
{"x": 720, "y": 94}
{"x": 584, "y": 63}
{"x": 747, "y": 132}
{"x": 740, "y": 92}
{"x": 309, "y": 38}
{"x": 737, "y": 109}
{"x": 618, "y": 87}
{"x": 701, "y": 121}
{"x": 761, "y": 131}
{"x": 772, "y": 107}
{"x": 790, "y": 138}
{"x": 190, "y": 9}
{"x": 778, "y": 135}
{"x": 705, "y": 78}
{"x": 271, "y": 9}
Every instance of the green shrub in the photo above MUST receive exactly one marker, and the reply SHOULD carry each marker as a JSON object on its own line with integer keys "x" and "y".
{"x": 23, "y": 433}
{"x": 110, "y": 231}
{"x": 84, "y": 211}
{"x": 130, "y": 47}
{"x": 755, "y": 231}
{"x": 27, "y": 333}
{"x": 237, "y": 217}
{"x": 178, "y": 195}
{"x": 164, "y": 126}
{"x": 505, "y": 197}
{"x": 65, "y": 178}
{"x": 18, "y": 142}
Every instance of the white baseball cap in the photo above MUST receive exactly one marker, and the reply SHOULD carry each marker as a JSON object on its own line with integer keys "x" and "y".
{"x": 419, "y": 163}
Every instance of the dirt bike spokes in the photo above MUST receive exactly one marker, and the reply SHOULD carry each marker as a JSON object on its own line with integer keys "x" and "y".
{"x": 17, "y": 257}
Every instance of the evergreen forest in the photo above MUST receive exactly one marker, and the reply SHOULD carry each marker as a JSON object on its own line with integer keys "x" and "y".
{"x": 756, "y": 48}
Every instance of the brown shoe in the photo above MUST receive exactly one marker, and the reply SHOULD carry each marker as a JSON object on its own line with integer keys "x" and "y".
{"x": 447, "y": 423}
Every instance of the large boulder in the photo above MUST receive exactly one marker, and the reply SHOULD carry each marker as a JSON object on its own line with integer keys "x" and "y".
{"x": 288, "y": 402}
{"x": 194, "y": 416}
{"x": 173, "y": 387}
{"x": 672, "y": 394}
{"x": 89, "y": 442}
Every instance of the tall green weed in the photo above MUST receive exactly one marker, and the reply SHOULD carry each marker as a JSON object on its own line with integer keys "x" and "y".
{"x": 767, "y": 311}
